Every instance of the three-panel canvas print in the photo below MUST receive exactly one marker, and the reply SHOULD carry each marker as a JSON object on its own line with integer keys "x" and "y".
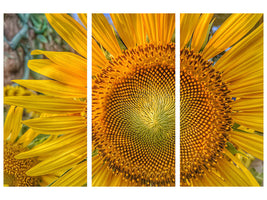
{"x": 151, "y": 118}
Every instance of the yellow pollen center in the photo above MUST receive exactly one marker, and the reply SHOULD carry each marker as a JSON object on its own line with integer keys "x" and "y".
{"x": 15, "y": 169}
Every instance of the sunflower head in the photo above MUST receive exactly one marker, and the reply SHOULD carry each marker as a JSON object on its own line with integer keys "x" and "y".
{"x": 134, "y": 104}
{"x": 15, "y": 171}
{"x": 205, "y": 114}
{"x": 217, "y": 95}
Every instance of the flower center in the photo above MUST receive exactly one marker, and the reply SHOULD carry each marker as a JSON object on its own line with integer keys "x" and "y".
{"x": 136, "y": 131}
{"x": 15, "y": 169}
{"x": 205, "y": 115}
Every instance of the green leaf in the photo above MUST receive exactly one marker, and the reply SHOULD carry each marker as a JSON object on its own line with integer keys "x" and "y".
{"x": 36, "y": 21}
{"x": 230, "y": 147}
{"x": 38, "y": 140}
{"x": 106, "y": 53}
{"x": 235, "y": 126}
{"x": 258, "y": 176}
{"x": 42, "y": 38}
{"x": 207, "y": 35}
{"x": 173, "y": 37}
{"x": 95, "y": 152}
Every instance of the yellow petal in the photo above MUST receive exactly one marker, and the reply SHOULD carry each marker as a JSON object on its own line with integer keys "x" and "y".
{"x": 72, "y": 62}
{"x": 246, "y": 92}
{"x": 65, "y": 159}
{"x": 48, "y": 179}
{"x": 248, "y": 104}
{"x": 244, "y": 59}
{"x": 240, "y": 72}
{"x": 8, "y": 126}
{"x": 83, "y": 18}
{"x": 58, "y": 72}
{"x": 77, "y": 176}
{"x": 242, "y": 170}
{"x": 249, "y": 142}
{"x": 124, "y": 24}
{"x": 103, "y": 176}
{"x": 231, "y": 31}
{"x": 99, "y": 60}
{"x": 245, "y": 82}
{"x": 47, "y": 104}
{"x": 201, "y": 32}
{"x": 233, "y": 176}
{"x": 249, "y": 113}
{"x": 71, "y": 31}
{"x": 57, "y": 125}
{"x": 27, "y": 137}
{"x": 249, "y": 123}
{"x": 53, "y": 88}
{"x": 212, "y": 179}
{"x": 103, "y": 33}
{"x": 188, "y": 23}
{"x": 140, "y": 30}
{"x": 54, "y": 146}
{"x": 13, "y": 124}
{"x": 159, "y": 27}
{"x": 255, "y": 117}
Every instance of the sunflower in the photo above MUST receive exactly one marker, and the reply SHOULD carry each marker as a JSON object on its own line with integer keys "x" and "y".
{"x": 63, "y": 105}
{"x": 133, "y": 100}
{"x": 16, "y": 90}
{"x": 218, "y": 96}
{"x": 14, "y": 169}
